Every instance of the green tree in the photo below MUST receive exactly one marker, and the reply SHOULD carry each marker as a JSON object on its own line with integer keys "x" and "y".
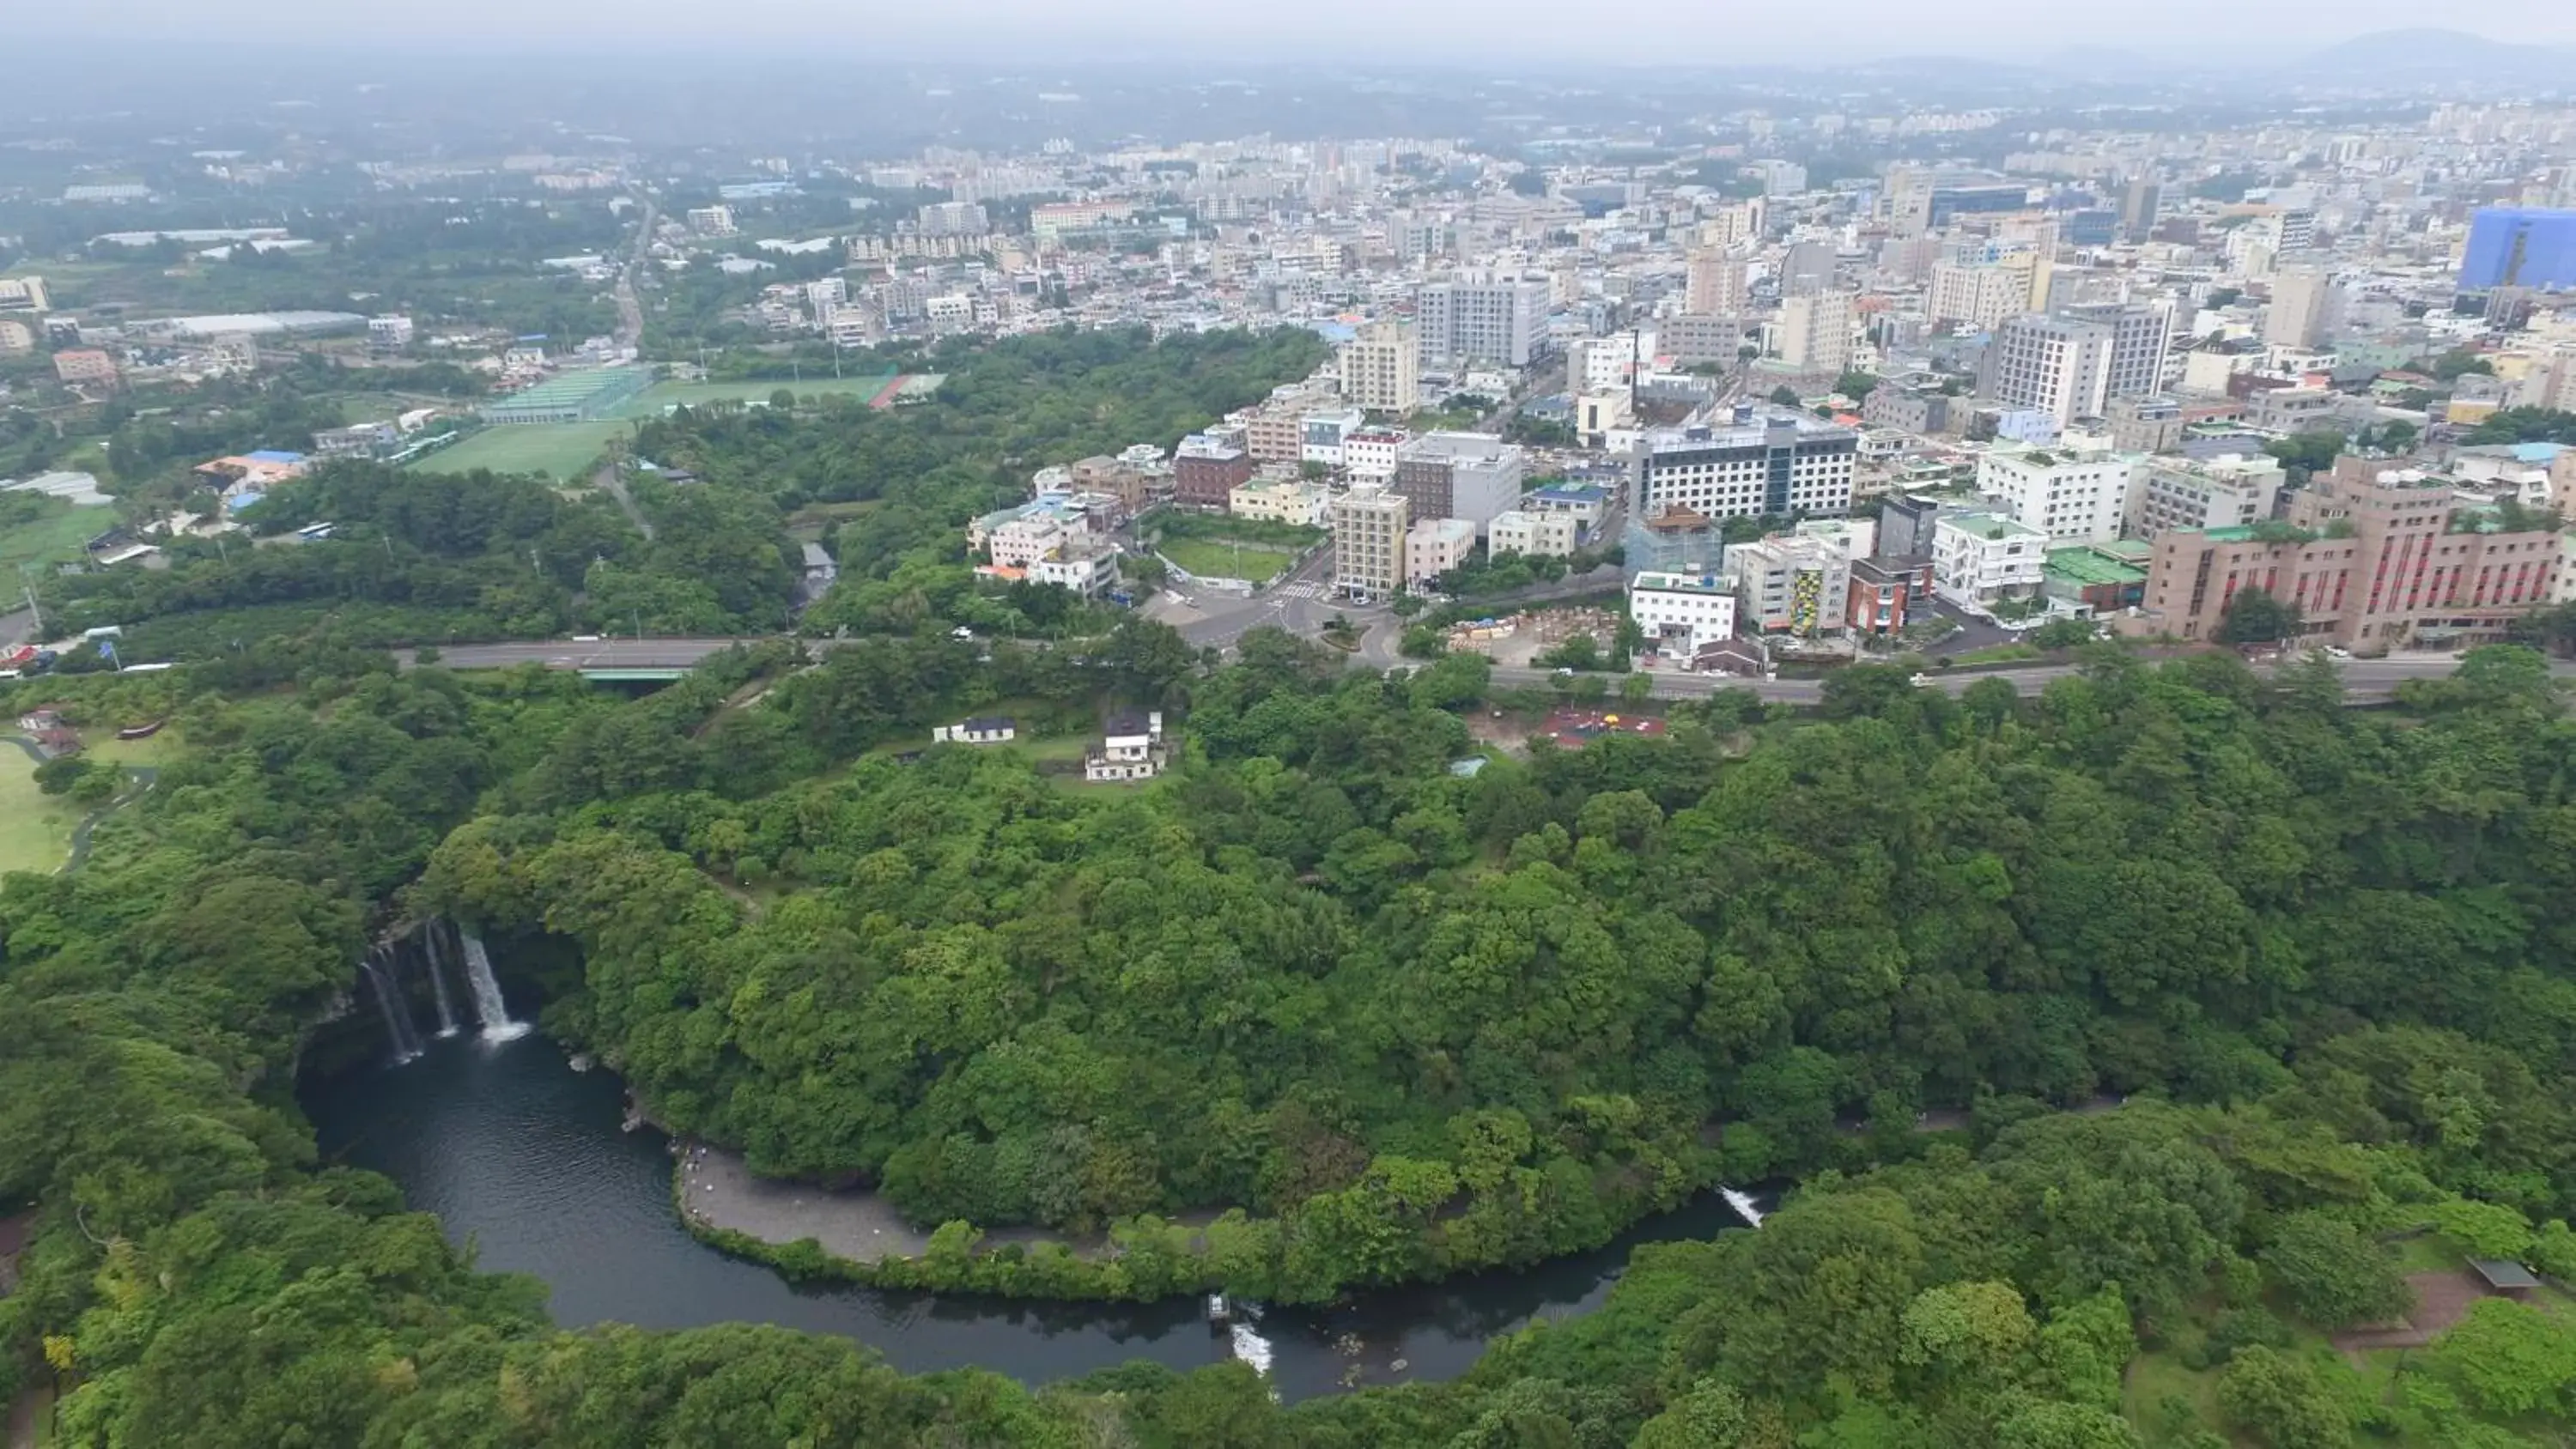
{"x": 2279, "y": 1400}
{"x": 2254, "y": 616}
{"x": 2336, "y": 1275}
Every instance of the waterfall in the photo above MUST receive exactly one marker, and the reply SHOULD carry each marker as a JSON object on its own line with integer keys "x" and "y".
{"x": 398, "y": 1031}
{"x": 1743, "y": 1203}
{"x": 438, "y": 978}
{"x": 489, "y": 1008}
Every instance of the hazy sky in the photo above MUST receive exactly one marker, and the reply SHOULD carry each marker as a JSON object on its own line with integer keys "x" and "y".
{"x": 1655, "y": 31}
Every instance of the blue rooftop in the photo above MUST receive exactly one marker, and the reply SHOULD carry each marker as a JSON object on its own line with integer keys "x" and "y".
{"x": 1569, "y": 492}
{"x": 274, "y": 455}
{"x": 240, "y": 501}
{"x": 2537, "y": 452}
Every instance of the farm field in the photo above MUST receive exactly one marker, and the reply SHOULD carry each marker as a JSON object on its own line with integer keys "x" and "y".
{"x": 56, "y": 537}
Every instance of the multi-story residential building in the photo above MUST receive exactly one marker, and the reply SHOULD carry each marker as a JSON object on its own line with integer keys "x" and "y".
{"x": 1713, "y": 283}
{"x": 1581, "y": 502}
{"x": 1280, "y": 501}
{"x": 1680, "y": 614}
{"x": 1322, "y": 430}
{"x": 2228, "y": 491}
{"x": 1598, "y": 364}
{"x": 1483, "y": 319}
{"x": 1434, "y": 546}
{"x": 2296, "y": 315}
{"x": 1368, "y": 542}
{"x": 1459, "y": 475}
{"x": 1886, "y": 592}
{"x": 2060, "y": 366}
{"x": 1023, "y": 541}
{"x": 2073, "y": 495}
{"x": 2145, "y": 424}
{"x": 1981, "y": 558}
{"x": 1382, "y": 368}
{"x": 2141, "y": 338}
{"x": 1905, "y": 525}
{"x": 1914, "y": 410}
{"x": 1089, "y": 569}
{"x": 23, "y": 294}
{"x": 1695, "y": 337}
{"x": 1130, "y": 748}
{"x": 2294, "y": 409}
{"x": 390, "y": 333}
{"x": 710, "y": 220}
{"x": 1790, "y": 582}
{"x": 1815, "y": 331}
{"x": 1979, "y": 295}
{"x": 952, "y": 218}
{"x": 1756, "y": 464}
{"x": 2377, "y": 558}
{"x": 1275, "y": 432}
{"x": 1206, "y": 469}
{"x": 1372, "y": 452}
{"x": 85, "y": 364}
{"x": 1519, "y": 530}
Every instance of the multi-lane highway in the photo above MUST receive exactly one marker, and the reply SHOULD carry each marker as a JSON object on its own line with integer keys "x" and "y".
{"x": 2366, "y": 681}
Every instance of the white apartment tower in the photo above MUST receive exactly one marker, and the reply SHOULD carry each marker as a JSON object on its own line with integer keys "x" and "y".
{"x": 1713, "y": 283}
{"x": 1368, "y": 542}
{"x": 1482, "y": 319}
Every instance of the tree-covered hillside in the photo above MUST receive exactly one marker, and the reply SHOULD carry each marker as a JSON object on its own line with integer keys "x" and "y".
{"x": 1410, "y": 1020}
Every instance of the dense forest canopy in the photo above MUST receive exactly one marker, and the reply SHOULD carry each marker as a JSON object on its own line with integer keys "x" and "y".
{"x": 1411, "y": 1021}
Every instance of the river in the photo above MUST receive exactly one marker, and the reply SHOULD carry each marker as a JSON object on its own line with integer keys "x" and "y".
{"x": 522, "y": 1157}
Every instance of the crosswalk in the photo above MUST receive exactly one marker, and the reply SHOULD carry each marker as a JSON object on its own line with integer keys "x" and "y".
{"x": 1302, "y": 589}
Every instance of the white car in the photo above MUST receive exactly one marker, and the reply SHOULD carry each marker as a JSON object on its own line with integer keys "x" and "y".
{"x": 585, "y": 638}
{"x": 1922, "y": 681}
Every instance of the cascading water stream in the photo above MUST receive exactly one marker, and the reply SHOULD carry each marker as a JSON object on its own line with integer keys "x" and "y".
{"x": 438, "y": 978}
{"x": 489, "y": 1008}
{"x": 398, "y": 1030}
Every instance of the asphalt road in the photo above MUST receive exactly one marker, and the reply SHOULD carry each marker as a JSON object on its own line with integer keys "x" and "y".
{"x": 2366, "y": 681}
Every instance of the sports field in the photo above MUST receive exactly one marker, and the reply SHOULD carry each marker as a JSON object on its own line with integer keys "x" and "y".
{"x": 35, "y": 828}
{"x": 563, "y": 450}
{"x": 566, "y": 451}
{"x": 1215, "y": 560}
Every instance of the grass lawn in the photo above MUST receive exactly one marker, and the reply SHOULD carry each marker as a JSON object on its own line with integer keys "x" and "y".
{"x": 564, "y": 450}
{"x": 35, "y": 828}
{"x": 1225, "y": 560}
{"x": 1998, "y": 654}
{"x": 56, "y": 537}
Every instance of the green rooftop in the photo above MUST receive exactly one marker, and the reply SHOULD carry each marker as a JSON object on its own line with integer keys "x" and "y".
{"x": 2089, "y": 566}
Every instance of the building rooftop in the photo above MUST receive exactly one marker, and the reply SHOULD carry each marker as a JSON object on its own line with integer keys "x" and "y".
{"x": 1682, "y": 583}
{"x": 1988, "y": 526}
{"x": 2092, "y": 566}
{"x": 1743, "y": 432}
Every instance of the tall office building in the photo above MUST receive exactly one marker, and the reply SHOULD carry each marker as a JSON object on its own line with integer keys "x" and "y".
{"x": 1815, "y": 331}
{"x": 2515, "y": 246}
{"x": 1713, "y": 283}
{"x": 1482, "y": 319}
{"x": 1382, "y": 368}
{"x": 1368, "y": 541}
{"x": 2141, "y": 337}
{"x": 2296, "y": 315}
{"x": 2140, "y": 200}
{"x": 2057, "y": 365}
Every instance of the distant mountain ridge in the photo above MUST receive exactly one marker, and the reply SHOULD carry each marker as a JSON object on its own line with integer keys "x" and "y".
{"x": 2434, "y": 55}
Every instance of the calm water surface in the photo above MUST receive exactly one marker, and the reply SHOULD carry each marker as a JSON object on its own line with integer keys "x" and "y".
{"x": 523, "y": 1157}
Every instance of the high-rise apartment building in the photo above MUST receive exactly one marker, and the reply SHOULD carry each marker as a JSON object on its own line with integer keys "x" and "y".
{"x": 1493, "y": 319}
{"x": 1368, "y": 542}
{"x": 1815, "y": 331}
{"x": 1746, "y": 467}
{"x": 2296, "y": 314}
{"x": 2140, "y": 200}
{"x": 2070, "y": 367}
{"x": 953, "y": 218}
{"x": 1981, "y": 294}
{"x": 1696, "y": 337}
{"x": 1713, "y": 283}
{"x": 2228, "y": 491}
{"x": 1382, "y": 368}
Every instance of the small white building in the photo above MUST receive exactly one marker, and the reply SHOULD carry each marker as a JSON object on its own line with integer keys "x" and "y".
{"x": 1130, "y": 748}
{"x": 1519, "y": 530}
{"x": 983, "y": 730}
{"x": 1981, "y": 558}
{"x": 1088, "y": 571}
{"x": 1434, "y": 546}
{"x": 1682, "y": 613}
{"x": 1023, "y": 541}
{"x": 1322, "y": 432}
{"x": 1370, "y": 453}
